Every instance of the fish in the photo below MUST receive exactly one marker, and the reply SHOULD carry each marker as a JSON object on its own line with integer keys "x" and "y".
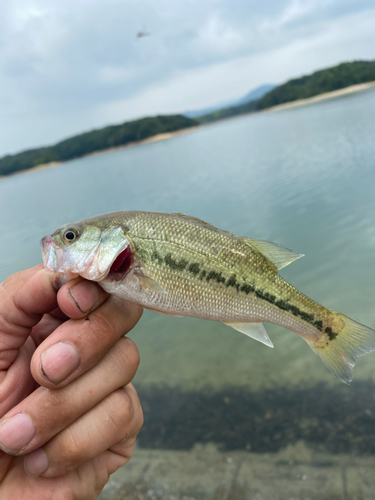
{"x": 179, "y": 265}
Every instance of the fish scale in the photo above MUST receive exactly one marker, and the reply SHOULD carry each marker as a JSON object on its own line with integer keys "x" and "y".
{"x": 181, "y": 265}
{"x": 223, "y": 303}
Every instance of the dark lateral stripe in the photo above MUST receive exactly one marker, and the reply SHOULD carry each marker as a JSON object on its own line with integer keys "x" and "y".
{"x": 195, "y": 269}
{"x": 174, "y": 264}
{"x": 212, "y": 275}
{"x": 246, "y": 288}
{"x": 157, "y": 257}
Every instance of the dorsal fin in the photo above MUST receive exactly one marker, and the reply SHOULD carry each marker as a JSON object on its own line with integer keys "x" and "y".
{"x": 207, "y": 225}
{"x": 277, "y": 255}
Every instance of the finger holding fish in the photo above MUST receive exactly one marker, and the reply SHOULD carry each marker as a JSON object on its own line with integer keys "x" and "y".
{"x": 76, "y": 299}
{"x": 79, "y": 297}
{"x": 39, "y": 422}
{"x": 78, "y": 345}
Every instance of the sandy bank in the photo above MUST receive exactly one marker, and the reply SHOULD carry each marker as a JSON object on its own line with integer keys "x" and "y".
{"x": 322, "y": 97}
{"x": 206, "y": 473}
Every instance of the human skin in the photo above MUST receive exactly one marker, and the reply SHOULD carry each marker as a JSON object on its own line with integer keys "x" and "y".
{"x": 69, "y": 415}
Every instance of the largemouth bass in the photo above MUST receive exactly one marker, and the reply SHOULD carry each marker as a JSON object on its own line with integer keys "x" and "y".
{"x": 182, "y": 266}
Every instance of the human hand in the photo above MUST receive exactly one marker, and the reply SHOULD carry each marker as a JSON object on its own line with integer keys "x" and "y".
{"x": 69, "y": 414}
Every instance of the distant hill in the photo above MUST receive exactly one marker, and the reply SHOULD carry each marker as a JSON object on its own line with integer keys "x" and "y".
{"x": 220, "y": 114}
{"x": 325, "y": 80}
{"x": 96, "y": 140}
{"x": 254, "y": 94}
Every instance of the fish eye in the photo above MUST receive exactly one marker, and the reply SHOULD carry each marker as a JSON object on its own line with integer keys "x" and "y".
{"x": 71, "y": 235}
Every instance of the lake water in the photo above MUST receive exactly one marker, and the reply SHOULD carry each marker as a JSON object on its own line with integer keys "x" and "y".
{"x": 303, "y": 178}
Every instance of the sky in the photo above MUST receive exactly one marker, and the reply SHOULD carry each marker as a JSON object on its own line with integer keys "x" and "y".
{"x": 71, "y": 66}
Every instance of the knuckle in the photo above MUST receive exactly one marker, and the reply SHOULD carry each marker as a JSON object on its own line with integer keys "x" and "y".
{"x": 123, "y": 401}
{"x": 131, "y": 408}
{"x": 125, "y": 357}
{"x": 140, "y": 415}
{"x": 11, "y": 320}
{"x": 108, "y": 324}
{"x": 101, "y": 326}
{"x": 127, "y": 412}
{"x": 129, "y": 312}
{"x": 140, "y": 420}
{"x": 72, "y": 450}
{"x": 132, "y": 352}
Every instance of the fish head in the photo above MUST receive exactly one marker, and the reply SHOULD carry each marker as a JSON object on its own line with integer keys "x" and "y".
{"x": 95, "y": 251}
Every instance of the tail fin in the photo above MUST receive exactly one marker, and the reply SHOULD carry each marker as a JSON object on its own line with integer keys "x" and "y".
{"x": 340, "y": 354}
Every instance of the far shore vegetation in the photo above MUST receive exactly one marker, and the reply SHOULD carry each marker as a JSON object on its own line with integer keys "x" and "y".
{"x": 95, "y": 140}
{"x": 320, "y": 82}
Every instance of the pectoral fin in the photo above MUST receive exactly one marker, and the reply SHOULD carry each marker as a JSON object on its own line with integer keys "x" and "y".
{"x": 253, "y": 330}
{"x": 149, "y": 283}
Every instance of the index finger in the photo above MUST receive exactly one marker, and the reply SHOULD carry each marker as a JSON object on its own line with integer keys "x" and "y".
{"x": 24, "y": 298}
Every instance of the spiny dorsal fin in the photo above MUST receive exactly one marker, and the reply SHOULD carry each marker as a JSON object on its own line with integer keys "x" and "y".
{"x": 191, "y": 218}
{"x": 277, "y": 255}
{"x": 254, "y": 330}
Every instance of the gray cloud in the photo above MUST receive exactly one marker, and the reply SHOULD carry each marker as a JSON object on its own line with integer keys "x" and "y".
{"x": 70, "y": 66}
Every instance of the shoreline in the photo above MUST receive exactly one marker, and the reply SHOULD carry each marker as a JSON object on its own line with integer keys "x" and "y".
{"x": 169, "y": 135}
{"x": 322, "y": 97}
{"x": 155, "y": 138}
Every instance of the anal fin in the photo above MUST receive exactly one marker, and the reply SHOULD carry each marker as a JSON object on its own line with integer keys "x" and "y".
{"x": 254, "y": 330}
{"x": 164, "y": 313}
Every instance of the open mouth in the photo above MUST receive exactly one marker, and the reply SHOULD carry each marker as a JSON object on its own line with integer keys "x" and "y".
{"x": 120, "y": 266}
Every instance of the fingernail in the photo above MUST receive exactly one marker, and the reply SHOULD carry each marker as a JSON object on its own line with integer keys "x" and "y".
{"x": 16, "y": 433}
{"x": 59, "y": 361}
{"x": 36, "y": 463}
{"x": 85, "y": 296}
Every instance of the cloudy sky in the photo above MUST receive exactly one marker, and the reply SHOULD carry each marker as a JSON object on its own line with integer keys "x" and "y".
{"x": 68, "y": 66}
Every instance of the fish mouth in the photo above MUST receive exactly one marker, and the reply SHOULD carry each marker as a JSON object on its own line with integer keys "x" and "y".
{"x": 120, "y": 266}
{"x": 92, "y": 268}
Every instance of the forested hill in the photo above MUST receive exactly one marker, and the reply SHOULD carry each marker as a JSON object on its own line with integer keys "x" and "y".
{"x": 96, "y": 140}
{"x": 325, "y": 80}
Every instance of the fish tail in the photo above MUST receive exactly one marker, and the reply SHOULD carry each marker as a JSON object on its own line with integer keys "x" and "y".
{"x": 340, "y": 345}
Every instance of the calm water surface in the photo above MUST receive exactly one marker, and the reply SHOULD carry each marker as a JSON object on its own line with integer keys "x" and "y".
{"x": 303, "y": 178}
